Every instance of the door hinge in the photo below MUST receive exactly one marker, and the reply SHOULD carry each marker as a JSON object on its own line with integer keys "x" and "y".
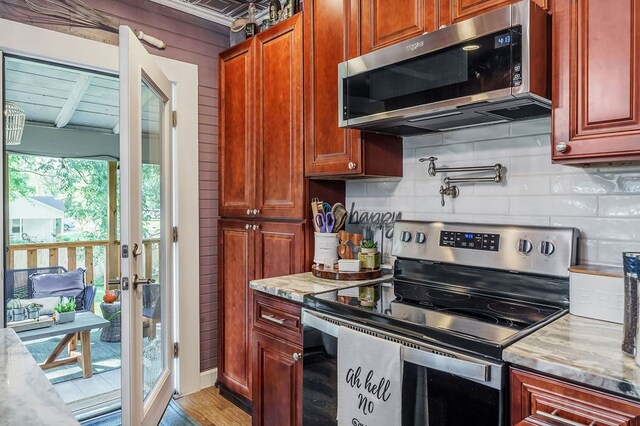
{"x": 174, "y": 118}
{"x": 176, "y": 348}
{"x": 175, "y": 234}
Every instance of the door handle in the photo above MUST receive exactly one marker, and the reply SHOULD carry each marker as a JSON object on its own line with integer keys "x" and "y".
{"x": 137, "y": 281}
{"x": 137, "y": 251}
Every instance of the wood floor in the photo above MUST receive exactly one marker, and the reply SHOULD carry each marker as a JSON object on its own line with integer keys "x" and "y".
{"x": 209, "y": 408}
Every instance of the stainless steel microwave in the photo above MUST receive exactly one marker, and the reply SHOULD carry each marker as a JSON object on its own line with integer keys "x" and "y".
{"x": 493, "y": 68}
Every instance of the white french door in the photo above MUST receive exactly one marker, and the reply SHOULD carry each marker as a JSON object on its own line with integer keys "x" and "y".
{"x": 146, "y": 200}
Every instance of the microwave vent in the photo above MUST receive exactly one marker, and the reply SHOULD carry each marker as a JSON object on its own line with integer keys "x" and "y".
{"x": 521, "y": 112}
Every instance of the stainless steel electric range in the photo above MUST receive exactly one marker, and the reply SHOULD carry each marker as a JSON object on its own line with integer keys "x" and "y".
{"x": 460, "y": 294}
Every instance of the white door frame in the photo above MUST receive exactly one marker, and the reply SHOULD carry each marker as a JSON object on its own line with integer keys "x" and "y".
{"x": 33, "y": 42}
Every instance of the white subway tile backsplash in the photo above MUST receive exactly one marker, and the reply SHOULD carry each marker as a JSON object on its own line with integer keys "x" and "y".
{"x": 627, "y": 206}
{"x": 477, "y": 134}
{"x": 602, "y": 228}
{"x": 610, "y": 252}
{"x": 356, "y": 188}
{"x": 556, "y": 205}
{"x": 604, "y": 203}
{"x": 583, "y": 183}
{"x": 531, "y": 127}
{"x": 525, "y": 146}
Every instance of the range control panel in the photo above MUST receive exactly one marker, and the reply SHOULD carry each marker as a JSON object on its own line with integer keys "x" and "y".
{"x": 532, "y": 249}
{"x": 470, "y": 240}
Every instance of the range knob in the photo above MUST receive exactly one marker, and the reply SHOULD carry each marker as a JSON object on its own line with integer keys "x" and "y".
{"x": 547, "y": 248}
{"x": 405, "y": 236}
{"x": 420, "y": 237}
{"x": 525, "y": 246}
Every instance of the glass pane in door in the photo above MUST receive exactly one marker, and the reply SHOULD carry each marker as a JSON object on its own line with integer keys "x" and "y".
{"x": 153, "y": 296}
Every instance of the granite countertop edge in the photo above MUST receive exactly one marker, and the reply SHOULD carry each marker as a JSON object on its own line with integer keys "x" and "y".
{"x": 581, "y": 350}
{"x": 295, "y": 287}
{"x": 28, "y": 397}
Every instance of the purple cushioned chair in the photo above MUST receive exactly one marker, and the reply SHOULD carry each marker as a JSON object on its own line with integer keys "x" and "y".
{"x": 50, "y": 281}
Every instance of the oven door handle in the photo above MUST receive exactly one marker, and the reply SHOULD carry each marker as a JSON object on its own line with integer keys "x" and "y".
{"x": 457, "y": 367}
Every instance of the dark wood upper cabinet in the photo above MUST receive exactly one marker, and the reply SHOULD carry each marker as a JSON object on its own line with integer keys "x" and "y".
{"x": 596, "y": 51}
{"x": 332, "y": 36}
{"x": 453, "y": 11}
{"x": 279, "y": 123}
{"x": 261, "y": 125}
{"x": 383, "y": 23}
{"x": 236, "y": 143}
{"x": 543, "y": 401}
{"x": 279, "y": 249}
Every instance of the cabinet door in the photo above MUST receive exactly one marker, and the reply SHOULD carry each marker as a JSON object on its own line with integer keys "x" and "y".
{"x": 277, "y": 381}
{"x": 539, "y": 400}
{"x": 236, "y": 269}
{"x": 329, "y": 149}
{"x": 452, "y": 11}
{"x": 383, "y": 23}
{"x": 279, "y": 124}
{"x": 279, "y": 249}
{"x": 596, "y": 51}
{"x": 236, "y": 144}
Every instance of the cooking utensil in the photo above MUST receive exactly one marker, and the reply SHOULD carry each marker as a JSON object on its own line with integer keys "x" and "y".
{"x": 316, "y": 207}
{"x": 340, "y": 215}
{"x": 325, "y": 222}
{"x": 79, "y": 14}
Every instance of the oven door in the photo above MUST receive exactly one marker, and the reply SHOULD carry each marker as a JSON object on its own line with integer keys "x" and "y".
{"x": 439, "y": 387}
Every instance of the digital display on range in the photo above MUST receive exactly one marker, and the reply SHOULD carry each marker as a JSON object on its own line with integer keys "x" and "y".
{"x": 503, "y": 40}
{"x": 470, "y": 240}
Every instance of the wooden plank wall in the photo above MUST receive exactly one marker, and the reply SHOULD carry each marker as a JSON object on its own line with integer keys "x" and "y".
{"x": 194, "y": 40}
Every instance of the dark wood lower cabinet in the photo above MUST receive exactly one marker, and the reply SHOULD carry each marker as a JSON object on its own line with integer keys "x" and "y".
{"x": 543, "y": 401}
{"x": 277, "y": 362}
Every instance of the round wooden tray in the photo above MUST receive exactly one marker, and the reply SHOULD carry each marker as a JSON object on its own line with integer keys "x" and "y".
{"x": 363, "y": 274}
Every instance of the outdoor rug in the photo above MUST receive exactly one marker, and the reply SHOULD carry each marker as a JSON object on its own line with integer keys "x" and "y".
{"x": 105, "y": 356}
{"x": 173, "y": 416}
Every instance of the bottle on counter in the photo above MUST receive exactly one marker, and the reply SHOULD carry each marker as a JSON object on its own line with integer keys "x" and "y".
{"x": 252, "y": 27}
{"x": 631, "y": 266}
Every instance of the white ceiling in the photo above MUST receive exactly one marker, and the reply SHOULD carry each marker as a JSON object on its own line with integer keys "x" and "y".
{"x": 71, "y": 112}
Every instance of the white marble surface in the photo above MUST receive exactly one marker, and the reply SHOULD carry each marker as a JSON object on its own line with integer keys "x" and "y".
{"x": 582, "y": 350}
{"x": 295, "y": 287}
{"x": 27, "y": 396}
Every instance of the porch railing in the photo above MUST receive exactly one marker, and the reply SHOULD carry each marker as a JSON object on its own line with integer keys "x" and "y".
{"x": 70, "y": 253}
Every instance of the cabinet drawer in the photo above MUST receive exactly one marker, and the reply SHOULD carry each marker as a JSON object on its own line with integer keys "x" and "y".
{"x": 540, "y": 400}
{"x": 279, "y": 317}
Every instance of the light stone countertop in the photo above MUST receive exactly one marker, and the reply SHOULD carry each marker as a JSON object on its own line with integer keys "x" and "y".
{"x": 295, "y": 287}
{"x": 27, "y": 396}
{"x": 580, "y": 349}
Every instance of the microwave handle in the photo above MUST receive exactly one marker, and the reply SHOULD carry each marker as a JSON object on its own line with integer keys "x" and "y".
{"x": 458, "y": 367}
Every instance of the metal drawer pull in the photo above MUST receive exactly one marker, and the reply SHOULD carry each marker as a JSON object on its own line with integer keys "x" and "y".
{"x": 273, "y": 319}
{"x": 556, "y": 418}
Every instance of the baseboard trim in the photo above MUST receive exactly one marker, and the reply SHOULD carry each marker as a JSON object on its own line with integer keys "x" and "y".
{"x": 208, "y": 378}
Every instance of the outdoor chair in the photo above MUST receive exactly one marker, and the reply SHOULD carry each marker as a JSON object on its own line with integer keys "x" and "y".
{"x": 151, "y": 307}
{"x": 19, "y": 285}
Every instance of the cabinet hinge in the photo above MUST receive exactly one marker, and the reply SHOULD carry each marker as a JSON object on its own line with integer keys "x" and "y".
{"x": 176, "y": 349}
{"x": 174, "y": 118}
{"x": 175, "y": 234}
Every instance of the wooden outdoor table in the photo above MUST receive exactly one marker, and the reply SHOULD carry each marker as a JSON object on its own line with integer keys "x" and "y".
{"x": 83, "y": 324}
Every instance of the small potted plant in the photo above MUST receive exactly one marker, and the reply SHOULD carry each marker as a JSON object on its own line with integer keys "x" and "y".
{"x": 369, "y": 255}
{"x": 66, "y": 310}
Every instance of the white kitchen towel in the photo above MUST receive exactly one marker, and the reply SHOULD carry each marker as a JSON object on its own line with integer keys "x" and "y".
{"x": 369, "y": 380}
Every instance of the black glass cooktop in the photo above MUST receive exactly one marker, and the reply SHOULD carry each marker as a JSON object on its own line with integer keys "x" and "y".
{"x": 473, "y": 322}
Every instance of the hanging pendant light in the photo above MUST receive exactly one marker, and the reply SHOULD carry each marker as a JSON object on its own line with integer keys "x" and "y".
{"x": 14, "y": 123}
